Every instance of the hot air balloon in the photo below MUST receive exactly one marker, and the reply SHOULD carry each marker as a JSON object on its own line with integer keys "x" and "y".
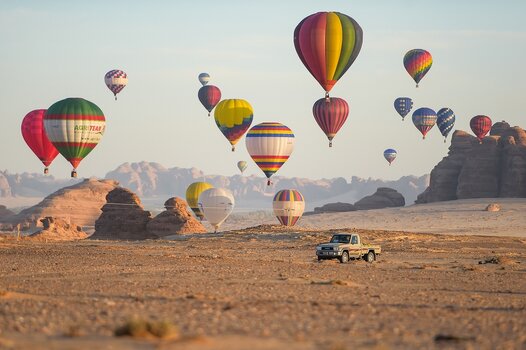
{"x": 417, "y": 63}
{"x": 116, "y": 80}
{"x": 192, "y": 196}
{"x": 233, "y": 117}
{"x": 330, "y": 115}
{"x": 327, "y": 44}
{"x": 74, "y": 126}
{"x": 424, "y": 119}
{"x": 270, "y": 145}
{"x": 242, "y": 165}
{"x": 35, "y": 136}
{"x": 480, "y": 125}
{"x": 445, "y": 121}
{"x": 216, "y": 205}
{"x": 204, "y": 78}
{"x": 209, "y": 96}
{"x": 403, "y": 106}
{"x": 288, "y": 206}
{"x": 390, "y": 155}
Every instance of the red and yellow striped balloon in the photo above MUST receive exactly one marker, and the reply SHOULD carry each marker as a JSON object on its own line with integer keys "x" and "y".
{"x": 288, "y": 206}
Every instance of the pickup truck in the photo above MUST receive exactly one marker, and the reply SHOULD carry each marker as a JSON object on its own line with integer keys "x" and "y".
{"x": 344, "y": 246}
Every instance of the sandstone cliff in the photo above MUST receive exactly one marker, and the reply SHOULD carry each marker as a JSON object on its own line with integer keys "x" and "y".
{"x": 494, "y": 168}
{"x": 176, "y": 219}
{"x": 55, "y": 229}
{"x": 383, "y": 198}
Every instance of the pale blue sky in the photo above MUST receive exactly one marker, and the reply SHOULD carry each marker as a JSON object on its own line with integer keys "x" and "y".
{"x": 57, "y": 49}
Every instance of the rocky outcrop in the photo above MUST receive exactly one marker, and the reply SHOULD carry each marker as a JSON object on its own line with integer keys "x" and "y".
{"x": 5, "y": 213}
{"x": 384, "y": 197}
{"x": 79, "y": 203}
{"x": 493, "y": 207}
{"x": 55, "y": 229}
{"x": 494, "y": 168}
{"x": 123, "y": 217}
{"x": 334, "y": 208}
{"x": 176, "y": 219}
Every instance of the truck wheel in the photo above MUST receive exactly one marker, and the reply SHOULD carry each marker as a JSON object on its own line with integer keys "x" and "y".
{"x": 344, "y": 258}
{"x": 319, "y": 258}
{"x": 370, "y": 257}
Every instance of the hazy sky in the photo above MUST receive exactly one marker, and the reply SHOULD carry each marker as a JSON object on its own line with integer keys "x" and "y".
{"x": 51, "y": 50}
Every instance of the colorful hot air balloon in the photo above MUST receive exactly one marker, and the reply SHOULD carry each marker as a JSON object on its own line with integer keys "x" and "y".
{"x": 209, "y": 96}
{"x": 417, "y": 63}
{"x": 270, "y": 145}
{"x": 403, "y": 106}
{"x": 424, "y": 119}
{"x": 216, "y": 205}
{"x": 242, "y": 165}
{"x": 35, "y": 136}
{"x": 327, "y": 44}
{"x": 480, "y": 125}
{"x": 445, "y": 121}
{"x": 74, "y": 126}
{"x": 192, "y": 196}
{"x": 390, "y": 155}
{"x": 116, "y": 80}
{"x": 288, "y": 206}
{"x": 233, "y": 117}
{"x": 330, "y": 114}
{"x": 204, "y": 78}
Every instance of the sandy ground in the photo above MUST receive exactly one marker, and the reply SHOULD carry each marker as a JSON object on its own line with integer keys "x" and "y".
{"x": 264, "y": 289}
{"x": 453, "y": 217}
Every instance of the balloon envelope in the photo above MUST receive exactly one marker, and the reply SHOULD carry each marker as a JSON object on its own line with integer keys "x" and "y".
{"x": 74, "y": 126}
{"x": 116, "y": 80}
{"x": 424, "y": 119}
{"x": 417, "y": 63}
{"x": 403, "y": 106}
{"x": 204, "y": 78}
{"x": 209, "y": 96}
{"x": 233, "y": 118}
{"x": 192, "y": 196}
{"x": 35, "y": 137}
{"x": 216, "y": 205}
{"x": 330, "y": 114}
{"x": 327, "y": 44}
{"x": 445, "y": 121}
{"x": 270, "y": 144}
{"x": 288, "y": 206}
{"x": 242, "y": 165}
{"x": 480, "y": 125}
{"x": 390, "y": 155}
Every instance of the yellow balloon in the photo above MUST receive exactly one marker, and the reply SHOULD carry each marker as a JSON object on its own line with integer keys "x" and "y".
{"x": 192, "y": 196}
{"x": 233, "y": 118}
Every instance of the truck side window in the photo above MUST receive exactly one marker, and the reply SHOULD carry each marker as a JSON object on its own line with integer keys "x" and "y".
{"x": 354, "y": 240}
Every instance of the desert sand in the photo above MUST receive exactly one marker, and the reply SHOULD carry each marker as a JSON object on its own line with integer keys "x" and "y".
{"x": 263, "y": 288}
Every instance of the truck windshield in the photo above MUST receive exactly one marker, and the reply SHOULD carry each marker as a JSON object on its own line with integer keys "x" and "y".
{"x": 340, "y": 239}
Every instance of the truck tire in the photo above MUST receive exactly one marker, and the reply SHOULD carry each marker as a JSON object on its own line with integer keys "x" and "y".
{"x": 370, "y": 257}
{"x": 344, "y": 258}
{"x": 319, "y": 258}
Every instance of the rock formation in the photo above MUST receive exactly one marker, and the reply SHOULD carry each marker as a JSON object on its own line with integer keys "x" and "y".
{"x": 79, "y": 203}
{"x": 494, "y": 168}
{"x": 5, "y": 213}
{"x": 335, "y": 208}
{"x": 493, "y": 207}
{"x": 123, "y": 217}
{"x": 384, "y": 197}
{"x": 55, "y": 229}
{"x": 176, "y": 219}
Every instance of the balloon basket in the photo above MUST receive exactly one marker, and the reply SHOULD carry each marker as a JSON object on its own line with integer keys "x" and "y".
{"x": 330, "y": 143}
{"x": 268, "y": 182}
{"x": 46, "y": 171}
{"x": 444, "y": 140}
{"x": 233, "y": 148}
{"x": 73, "y": 173}
{"x": 209, "y": 114}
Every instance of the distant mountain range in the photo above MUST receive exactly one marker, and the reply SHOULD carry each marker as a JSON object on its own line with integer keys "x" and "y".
{"x": 155, "y": 183}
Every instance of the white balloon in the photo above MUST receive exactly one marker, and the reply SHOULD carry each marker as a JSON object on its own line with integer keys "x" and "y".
{"x": 216, "y": 204}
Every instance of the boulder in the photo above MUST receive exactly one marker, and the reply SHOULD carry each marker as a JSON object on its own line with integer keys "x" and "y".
{"x": 493, "y": 207}
{"x": 335, "y": 207}
{"x": 123, "y": 217}
{"x": 176, "y": 219}
{"x": 384, "y": 197}
{"x": 56, "y": 229}
{"x": 494, "y": 168}
{"x": 5, "y": 213}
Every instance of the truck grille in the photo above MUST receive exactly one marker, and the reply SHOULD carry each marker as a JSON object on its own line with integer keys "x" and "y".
{"x": 326, "y": 248}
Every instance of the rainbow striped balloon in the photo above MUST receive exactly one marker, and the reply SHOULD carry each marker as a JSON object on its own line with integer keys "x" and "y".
{"x": 233, "y": 118}
{"x": 417, "y": 63}
{"x": 288, "y": 206}
{"x": 270, "y": 145}
{"x": 74, "y": 126}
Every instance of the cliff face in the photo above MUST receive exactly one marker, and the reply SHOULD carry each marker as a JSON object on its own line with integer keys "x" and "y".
{"x": 494, "y": 168}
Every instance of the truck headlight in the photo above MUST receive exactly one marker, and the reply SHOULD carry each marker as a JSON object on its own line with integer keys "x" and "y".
{"x": 318, "y": 248}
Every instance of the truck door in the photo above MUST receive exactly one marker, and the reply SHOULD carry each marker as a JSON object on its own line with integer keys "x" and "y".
{"x": 354, "y": 251}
